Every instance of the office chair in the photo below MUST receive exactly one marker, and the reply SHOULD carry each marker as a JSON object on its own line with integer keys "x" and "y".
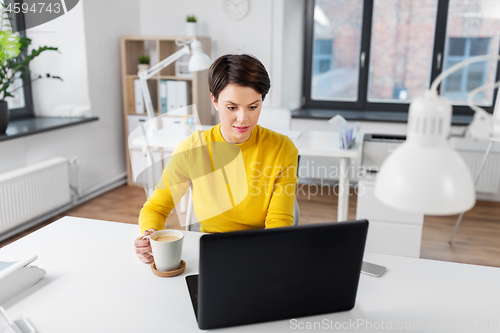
{"x": 275, "y": 119}
{"x": 195, "y": 225}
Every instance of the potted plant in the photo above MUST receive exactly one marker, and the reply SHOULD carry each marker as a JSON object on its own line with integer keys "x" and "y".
{"x": 143, "y": 62}
{"x": 191, "y": 25}
{"x": 14, "y": 61}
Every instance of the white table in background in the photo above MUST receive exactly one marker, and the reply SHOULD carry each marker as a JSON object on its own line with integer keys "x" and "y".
{"x": 309, "y": 143}
{"x": 326, "y": 144}
{"x": 95, "y": 283}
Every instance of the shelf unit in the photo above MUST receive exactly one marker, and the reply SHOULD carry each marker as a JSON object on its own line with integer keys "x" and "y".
{"x": 160, "y": 47}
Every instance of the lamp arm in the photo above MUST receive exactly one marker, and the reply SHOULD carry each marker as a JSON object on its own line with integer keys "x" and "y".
{"x": 483, "y": 123}
{"x": 145, "y": 75}
{"x": 147, "y": 99}
{"x": 437, "y": 81}
{"x": 476, "y": 91}
{"x": 182, "y": 42}
{"x": 165, "y": 62}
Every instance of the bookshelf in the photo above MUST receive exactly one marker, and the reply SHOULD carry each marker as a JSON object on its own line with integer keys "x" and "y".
{"x": 158, "y": 47}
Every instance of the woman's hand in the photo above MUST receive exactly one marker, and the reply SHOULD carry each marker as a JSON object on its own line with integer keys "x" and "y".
{"x": 142, "y": 247}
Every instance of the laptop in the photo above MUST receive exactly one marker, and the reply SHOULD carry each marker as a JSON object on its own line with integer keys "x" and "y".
{"x": 256, "y": 276}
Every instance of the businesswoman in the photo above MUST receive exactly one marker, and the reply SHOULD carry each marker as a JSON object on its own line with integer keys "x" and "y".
{"x": 243, "y": 176}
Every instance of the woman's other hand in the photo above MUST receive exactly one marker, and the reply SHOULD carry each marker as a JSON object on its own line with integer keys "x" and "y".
{"x": 142, "y": 247}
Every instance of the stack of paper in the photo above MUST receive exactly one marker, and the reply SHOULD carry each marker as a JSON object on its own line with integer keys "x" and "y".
{"x": 347, "y": 134}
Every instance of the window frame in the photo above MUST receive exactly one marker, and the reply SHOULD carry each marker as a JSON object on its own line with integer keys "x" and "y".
{"x": 26, "y": 111}
{"x": 465, "y": 70}
{"x": 362, "y": 104}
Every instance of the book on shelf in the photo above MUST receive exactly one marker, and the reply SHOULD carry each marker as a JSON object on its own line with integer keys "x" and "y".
{"x": 139, "y": 100}
{"x": 182, "y": 100}
{"x": 176, "y": 95}
{"x": 163, "y": 96}
{"x": 171, "y": 96}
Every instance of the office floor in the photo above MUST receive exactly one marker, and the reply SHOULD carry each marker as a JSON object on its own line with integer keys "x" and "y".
{"x": 476, "y": 242}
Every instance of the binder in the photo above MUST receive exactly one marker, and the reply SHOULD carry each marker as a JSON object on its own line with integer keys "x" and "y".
{"x": 181, "y": 94}
{"x": 163, "y": 96}
{"x": 139, "y": 100}
{"x": 171, "y": 95}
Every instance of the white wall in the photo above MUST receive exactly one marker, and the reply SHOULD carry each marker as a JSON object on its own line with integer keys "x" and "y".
{"x": 70, "y": 62}
{"x": 99, "y": 145}
{"x": 252, "y": 35}
{"x": 293, "y": 51}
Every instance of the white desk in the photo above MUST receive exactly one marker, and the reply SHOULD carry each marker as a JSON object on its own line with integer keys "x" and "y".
{"x": 95, "y": 283}
{"x": 326, "y": 143}
{"x": 309, "y": 143}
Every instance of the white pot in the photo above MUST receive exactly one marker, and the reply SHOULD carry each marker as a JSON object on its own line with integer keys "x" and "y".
{"x": 142, "y": 67}
{"x": 191, "y": 28}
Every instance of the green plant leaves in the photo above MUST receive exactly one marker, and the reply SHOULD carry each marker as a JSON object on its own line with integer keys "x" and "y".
{"x": 10, "y": 65}
{"x": 10, "y": 45}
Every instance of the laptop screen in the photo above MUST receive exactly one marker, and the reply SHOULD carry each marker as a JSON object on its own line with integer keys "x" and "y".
{"x": 263, "y": 275}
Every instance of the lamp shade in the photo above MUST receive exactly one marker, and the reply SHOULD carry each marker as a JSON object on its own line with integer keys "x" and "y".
{"x": 199, "y": 61}
{"x": 424, "y": 174}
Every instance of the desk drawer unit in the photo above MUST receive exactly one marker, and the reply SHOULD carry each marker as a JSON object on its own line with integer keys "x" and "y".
{"x": 391, "y": 231}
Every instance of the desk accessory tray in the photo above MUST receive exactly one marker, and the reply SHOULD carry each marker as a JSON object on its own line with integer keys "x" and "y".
{"x": 15, "y": 277}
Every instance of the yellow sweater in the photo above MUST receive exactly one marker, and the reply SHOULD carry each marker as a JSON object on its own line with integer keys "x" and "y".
{"x": 235, "y": 186}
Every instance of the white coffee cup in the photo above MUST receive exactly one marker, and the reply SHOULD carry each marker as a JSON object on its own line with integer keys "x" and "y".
{"x": 166, "y": 246}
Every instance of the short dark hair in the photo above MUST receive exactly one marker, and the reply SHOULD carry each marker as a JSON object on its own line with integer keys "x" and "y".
{"x": 241, "y": 69}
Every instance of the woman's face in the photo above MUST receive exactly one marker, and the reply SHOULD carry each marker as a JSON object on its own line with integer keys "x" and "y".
{"x": 239, "y": 110}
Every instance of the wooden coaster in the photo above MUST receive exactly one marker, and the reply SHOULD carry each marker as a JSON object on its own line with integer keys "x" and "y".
{"x": 169, "y": 273}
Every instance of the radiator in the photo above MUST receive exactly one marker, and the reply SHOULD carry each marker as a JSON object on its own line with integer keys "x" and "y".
{"x": 489, "y": 181}
{"x": 32, "y": 191}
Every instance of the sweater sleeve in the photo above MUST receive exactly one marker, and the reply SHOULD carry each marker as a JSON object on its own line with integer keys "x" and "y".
{"x": 280, "y": 211}
{"x": 168, "y": 192}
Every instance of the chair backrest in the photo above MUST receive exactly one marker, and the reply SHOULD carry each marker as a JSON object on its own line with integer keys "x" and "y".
{"x": 192, "y": 223}
{"x": 275, "y": 118}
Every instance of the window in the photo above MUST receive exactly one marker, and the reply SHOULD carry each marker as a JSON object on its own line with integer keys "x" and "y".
{"x": 459, "y": 84}
{"x": 378, "y": 55}
{"x": 337, "y": 26}
{"x": 322, "y": 56}
{"x": 469, "y": 34}
{"x": 21, "y": 105}
{"x": 402, "y": 40}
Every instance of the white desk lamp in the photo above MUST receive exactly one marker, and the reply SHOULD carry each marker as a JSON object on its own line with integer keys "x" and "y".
{"x": 424, "y": 174}
{"x": 199, "y": 61}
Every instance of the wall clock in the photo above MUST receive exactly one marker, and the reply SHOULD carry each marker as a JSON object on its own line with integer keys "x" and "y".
{"x": 236, "y": 9}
